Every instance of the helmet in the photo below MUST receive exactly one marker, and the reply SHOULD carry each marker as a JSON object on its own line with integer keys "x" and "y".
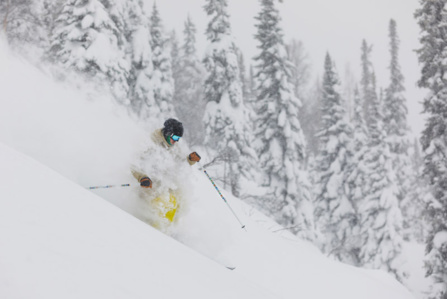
{"x": 172, "y": 127}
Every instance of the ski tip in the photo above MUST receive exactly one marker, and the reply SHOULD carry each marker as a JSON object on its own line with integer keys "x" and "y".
{"x": 230, "y": 268}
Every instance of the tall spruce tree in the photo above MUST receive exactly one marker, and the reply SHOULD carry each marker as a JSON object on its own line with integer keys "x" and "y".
{"x": 334, "y": 211}
{"x": 280, "y": 139}
{"x": 161, "y": 79}
{"x": 18, "y": 20}
{"x": 381, "y": 219}
{"x": 432, "y": 19}
{"x": 413, "y": 205}
{"x": 310, "y": 118}
{"x": 367, "y": 83}
{"x": 301, "y": 67}
{"x": 49, "y": 12}
{"x": 357, "y": 174}
{"x": 395, "y": 117}
{"x": 141, "y": 92}
{"x": 82, "y": 31}
{"x": 225, "y": 116}
{"x": 189, "y": 103}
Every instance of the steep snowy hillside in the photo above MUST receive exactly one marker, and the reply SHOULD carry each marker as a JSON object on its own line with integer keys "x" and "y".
{"x": 60, "y": 241}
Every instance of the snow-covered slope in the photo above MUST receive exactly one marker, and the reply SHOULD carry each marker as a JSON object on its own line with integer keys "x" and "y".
{"x": 58, "y": 240}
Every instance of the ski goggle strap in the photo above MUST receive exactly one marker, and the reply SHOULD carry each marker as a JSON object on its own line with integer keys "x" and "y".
{"x": 175, "y": 137}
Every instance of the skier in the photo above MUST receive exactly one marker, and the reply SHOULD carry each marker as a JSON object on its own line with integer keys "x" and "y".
{"x": 165, "y": 159}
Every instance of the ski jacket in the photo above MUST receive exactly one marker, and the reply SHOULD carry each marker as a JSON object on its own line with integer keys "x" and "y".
{"x": 159, "y": 143}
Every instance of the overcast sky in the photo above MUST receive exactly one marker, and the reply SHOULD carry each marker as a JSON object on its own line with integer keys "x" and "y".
{"x": 334, "y": 26}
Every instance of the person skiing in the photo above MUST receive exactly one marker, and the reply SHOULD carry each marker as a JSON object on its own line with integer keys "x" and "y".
{"x": 161, "y": 170}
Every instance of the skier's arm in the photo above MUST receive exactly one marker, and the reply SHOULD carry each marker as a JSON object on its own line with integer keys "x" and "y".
{"x": 142, "y": 178}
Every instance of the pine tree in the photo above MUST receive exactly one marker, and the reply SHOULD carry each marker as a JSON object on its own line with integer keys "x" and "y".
{"x": 21, "y": 23}
{"x": 368, "y": 91}
{"x": 83, "y": 30}
{"x": 357, "y": 174}
{"x": 310, "y": 118}
{"x": 334, "y": 211}
{"x": 350, "y": 84}
{"x": 395, "y": 117}
{"x": 279, "y": 135}
{"x": 225, "y": 116}
{"x": 189, "y": 103}
{"x": 141, "y": 94}
{"x": 432, "y": 20}
{"x": 161, "y": 79}
{"x": 175, "y": 58}
{"x": 300, "y": 71}
{"x": 381, "y": 219}
{"x": 243, "y": 75}
{"x": 413, "y": 205}
{"x": 49, "y": 12}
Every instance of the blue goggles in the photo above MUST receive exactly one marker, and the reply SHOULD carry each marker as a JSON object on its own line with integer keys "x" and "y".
{"x": 175, "y": 137}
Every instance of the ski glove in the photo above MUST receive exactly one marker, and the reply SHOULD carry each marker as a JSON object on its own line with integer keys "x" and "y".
{"x": 194, "y": 157}
{"x": 146, "y": 182}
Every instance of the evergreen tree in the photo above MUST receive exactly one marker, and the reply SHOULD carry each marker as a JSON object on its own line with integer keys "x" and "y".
{"x": 279, "y": 135}
{"x": 87, "y": 40}
{"x": 432, "y": 20}
{"x": 334, "y": 211}
{"x": 349, "y": 86}
{"x": 381, "y": 219}
{"x": 49, "y": 12}
{"x": 225, "y": 116}
{"x": 175, "y": 58}
{"x": 189, "y": 103}
{"x": 310, "y": 118}
{"x": 141, "y": 94}
{"x": 395, "y": 117}
{"x": 368, "y": 91}
{"x": 16, "y": 17}
{"x": 301, "y": 68}
{"x": 22, "y": 25}
{"x": 243, "y": 75}
{"x": 413, "y": 205}
{"x": 161, "y": 79}
{"x": 357, "y": 174}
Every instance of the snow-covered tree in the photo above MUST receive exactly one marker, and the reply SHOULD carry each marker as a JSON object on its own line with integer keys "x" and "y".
{"x": 137, "y": 34}
{"x": 334, "y": 212}
{"x": 413, "y": 205}
{"x": 49, "y": 12}
{"x": 225, "y": 116}
{"x": 175, "y": 57}
{"x": 189, "y": 103}
{"x": 22, "y": 24}
{"x": 349, "y": 86}
{"x": 310, "y": 117}
{"x": 161, "y": 79}
{"x": 358, "y": 173}
{"x": 279, "y": 137}
{"x": 301, "y": 67}
{"x": 432, "y": 19}
{"x": 88, "y": 40}
{"x": 381, "y": 219}
{"x": 395, "y": 117}
{"x": 367, "y": 82}
{"x": 243, "y": 76}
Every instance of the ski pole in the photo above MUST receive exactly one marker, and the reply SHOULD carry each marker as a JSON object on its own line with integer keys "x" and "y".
{"x": 218, "y": 191}
{"x": 108, "y": 186}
